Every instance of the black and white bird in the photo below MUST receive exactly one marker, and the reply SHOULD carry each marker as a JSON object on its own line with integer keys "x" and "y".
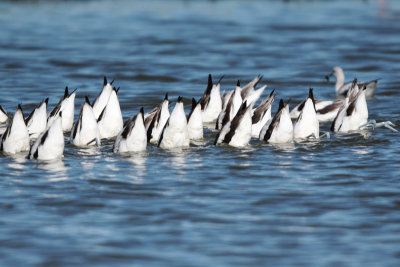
{"x": 247, "y": 92}
{"x": 175, "y": 133}
{"x": 158, "y": 121}
{"x": 85, "y": 131}
{"x": 16, "y": 137}
{"x": 3, "y": 115}
{"x": 133, "y": 137}
{"x": 237, "y": 133}
{"x": 249, "y": 88}
{"x": 102, "y": 99}
{"x": 280, "y": 128}
{"x": 195, "y": 121}
{"x": 110, "y": 120}
{"x": 326, "y": 109}
{"x": 307, "y": 124}
{"x": 50, "y": 143}
{"x": 230, "y": 108}
{"x": 66, "y": 105}
{"x": 342, "y": 88}
{"x": 261, "y": 115}
{"x": 354, "y": 112}
{"x": 37, "y": 120}
{"x": 211, "y": 102}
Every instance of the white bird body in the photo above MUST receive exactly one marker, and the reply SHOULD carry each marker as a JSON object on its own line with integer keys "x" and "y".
{"x": 254, "y": 96}
{"x": 133, "y": 137}
{"x": 355, "y": 115}
{"x": 261, "y": 115}
{"x": 236, "y": 103}
{"x": 50, "y": 143}
{"x": 280, "y": 128}
{"x": 195, "y": 122}
{"x": 307, "y": 123}
{"x": 102, "y": 99}
{"x": 110, "y": 120}
{"x": 214, "y": 106}
{"x": 16, "y": 137}
{"x": 175, "y": 133}
{"x": 248, "y": 89}
{"x": 3, "y": 115}
{"x": 158, "y": 122}
{"x": 326, "y": 109}
{"x": 68, "y": 110}
{"x": 211, "y": 102}
{"x": 66, "y": 106}
{"x": 237, "y": 132}
{"x": 85, "y": 131}
{"x": 37, "y": 120}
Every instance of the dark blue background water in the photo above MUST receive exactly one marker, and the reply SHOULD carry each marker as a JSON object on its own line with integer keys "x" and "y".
{"x": 331, "y": 203}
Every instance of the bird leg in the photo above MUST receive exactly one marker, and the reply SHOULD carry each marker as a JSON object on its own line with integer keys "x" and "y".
{"x": 373, "y": 124}
{"x": 327, "y": 134}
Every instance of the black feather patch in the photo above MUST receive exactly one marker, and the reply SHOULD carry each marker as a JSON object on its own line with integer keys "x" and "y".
{"x": 36, "y": 154}
{"x": 206, "y": 96}
{"x": 350, "y": 109}
{"x": 44, "y": 137}
{"x": 162, "y": 133}
{"x": 235, "y": 122}
{"x": 128, "y": 128}
{"x": 101, "y": 114}
{"x": 329, "y": 108}
{"x": 66, "y": 92}
{"x": 166, "y": 96}
{"x": 311, "y": 96}
{"x": 105, "y": 81}
{"x": 153, "y": 122}
{"x": 275, "y": 121}
{"x": 180, "y": 99}
{"x": 72, "y": 92}
{"x": 194, "y": 104}
{"x": 228, "y": 109}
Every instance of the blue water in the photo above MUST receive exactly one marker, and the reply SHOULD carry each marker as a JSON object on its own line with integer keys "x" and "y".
{"x": 330, "y": 203}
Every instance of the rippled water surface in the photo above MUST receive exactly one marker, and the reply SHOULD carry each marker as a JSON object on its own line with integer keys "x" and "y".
{"x": 330, "y": 203}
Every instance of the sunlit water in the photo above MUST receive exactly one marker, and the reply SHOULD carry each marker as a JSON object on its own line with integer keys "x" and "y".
{"x": 330, "y": 203}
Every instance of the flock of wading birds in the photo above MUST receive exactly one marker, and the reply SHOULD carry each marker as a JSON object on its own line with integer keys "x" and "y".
{"x": 236, "y": 118}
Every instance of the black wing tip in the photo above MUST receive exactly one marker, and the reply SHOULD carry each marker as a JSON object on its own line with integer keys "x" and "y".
{"x": 19, "y": 107}
{"x": 238, "y": 83}
{"x": 244, "y": 105}
{"x": 311, "y": 94}
{"x": 116, "y": 89}
{"x": 46, "y": 101}
{"x": 281, "y": 104}
{"x": 141, "y": 110}
{"x": 180, "y": 99}
{"x": 87, "y": 99}
{"x": 112, "y": 82}
{"x": 105, "y": 81}
{"x": 66, "y": 92}
{"x": 72, "y": 92}
{"x": 272, "y": 93}
{"x": 220, "y": 79}
{"x": 166, "y": 96}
